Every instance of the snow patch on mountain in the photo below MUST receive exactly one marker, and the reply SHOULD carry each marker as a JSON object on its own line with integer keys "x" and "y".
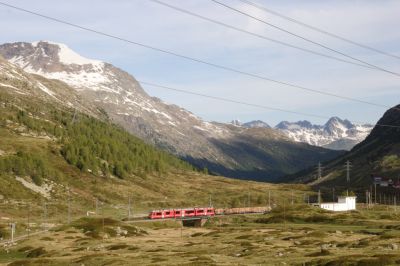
{"x": 92, "y": 80}
{"x": 45, "y": 89}
{"x": 58, "y": 61}
{"x": 68, "y": 56}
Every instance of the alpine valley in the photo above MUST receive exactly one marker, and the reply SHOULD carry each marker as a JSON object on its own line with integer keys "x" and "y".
{"x": 87, "y": 86}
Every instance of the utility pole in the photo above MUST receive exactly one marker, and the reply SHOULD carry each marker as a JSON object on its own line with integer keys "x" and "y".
{"x": 97, "y": 206}
{"x": 284, "y": 215}
{"x": 29, "y": 218}
{"x": 348, "y": 166}
{"x": 45, "y": 216}
{"x": 269, "y": 198}
{"x": 292, "y": 197}
{"x": 319, "y": 196}
{"x": 319, "y": 171}
{"x": 375, "y": 192}
{"x": 12, "y": 227}
{"x": 129, "y": 208}
{"x": 210, "y": 202}
{"x": 102, "y": 214}
{"x": 333, "y": 194}
{"x": 69, "y": 207}
{"x": 248, "y": 199}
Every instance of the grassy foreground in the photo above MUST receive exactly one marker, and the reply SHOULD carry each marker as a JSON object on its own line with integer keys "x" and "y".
{"x": 295, "y": 235}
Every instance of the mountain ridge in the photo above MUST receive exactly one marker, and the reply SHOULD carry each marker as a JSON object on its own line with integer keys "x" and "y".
{"x": 174, "y": 129}
{"x": 336, "y": 133}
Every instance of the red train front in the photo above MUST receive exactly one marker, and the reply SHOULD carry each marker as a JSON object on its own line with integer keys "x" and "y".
{"x": 180, "y": 213}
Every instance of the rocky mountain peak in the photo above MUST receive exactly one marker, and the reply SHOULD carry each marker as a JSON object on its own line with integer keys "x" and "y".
{"x": 46, "y": 56}
{"x": 256, "y": 124}
{"x": 236, "y": 122}
{"x": 335, "y": 124}
{"x": 336, "y": 133}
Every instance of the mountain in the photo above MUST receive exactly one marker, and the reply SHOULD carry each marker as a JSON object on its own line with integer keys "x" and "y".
{"x": 256, "y": 123}
{"x": 236, "y": 123}
{"x": 378, "y": 154}
{"x": 336, "y": 134}
{"x": 52, "y": 148}
{"x": 262, "y": 154}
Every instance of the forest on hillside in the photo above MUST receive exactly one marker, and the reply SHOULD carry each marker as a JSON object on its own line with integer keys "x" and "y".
{"x": 90, "y": 144}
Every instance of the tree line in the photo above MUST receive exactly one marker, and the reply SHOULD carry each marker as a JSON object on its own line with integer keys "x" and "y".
{"x": 87, "y": 143}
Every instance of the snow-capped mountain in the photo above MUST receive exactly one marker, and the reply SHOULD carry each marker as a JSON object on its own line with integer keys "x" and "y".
{"x": 336, "y": 134}
{"x": 114, "y": 90}
{"x": 223, "y": 148}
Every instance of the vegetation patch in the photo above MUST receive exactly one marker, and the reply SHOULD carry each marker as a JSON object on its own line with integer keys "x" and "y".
{"x": 47, "y": 238}
{"x": 37, "y": 252}
{"x": 98, "y": 228}
{"x": 117, "y": 247}
{"x": 26, "y": 248}
{"x": 197, "y": 234}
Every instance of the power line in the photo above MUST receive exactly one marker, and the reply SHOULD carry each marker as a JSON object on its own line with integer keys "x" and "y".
{"x": 304, "y": 38}
{"x": 258, "y": 6}
{"x": 251, "y": 104}
{"x": 231, "y": 100}
{"x": 257, "y": 35}
{"x": 196, "y": 59}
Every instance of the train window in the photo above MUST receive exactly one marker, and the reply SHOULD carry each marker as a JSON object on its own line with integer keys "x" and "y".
{"x": 158, "y": 213}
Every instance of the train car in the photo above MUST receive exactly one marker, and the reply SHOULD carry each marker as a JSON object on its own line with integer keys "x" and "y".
{"x": 229, "y": 211}
{"x": 180, "y": 213}
{"x": 201, "y": 212}
{"x": 219, "y": 211}
{"x": 158, "y": 214}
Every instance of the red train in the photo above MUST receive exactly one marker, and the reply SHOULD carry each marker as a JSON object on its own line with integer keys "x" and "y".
{"x": 179, "y": 213}
{"x": 208, "y": 211}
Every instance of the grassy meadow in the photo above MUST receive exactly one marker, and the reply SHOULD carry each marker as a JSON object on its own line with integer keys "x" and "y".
{"x": 293, "y": 234}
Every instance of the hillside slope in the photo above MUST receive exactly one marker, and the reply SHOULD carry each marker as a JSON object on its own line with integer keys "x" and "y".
{"x": 378, "y": 154}
{"x": 50, "y": 152}
{"x": 223, "y": 149}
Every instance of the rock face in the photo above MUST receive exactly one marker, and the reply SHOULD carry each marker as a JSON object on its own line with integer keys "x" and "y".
{"x": 244, "y": 152}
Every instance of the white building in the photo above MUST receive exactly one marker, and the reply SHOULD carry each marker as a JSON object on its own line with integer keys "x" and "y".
{"x": 345, "y": 203}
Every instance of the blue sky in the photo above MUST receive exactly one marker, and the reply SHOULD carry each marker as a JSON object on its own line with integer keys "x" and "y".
{"x": 374, "y": 23}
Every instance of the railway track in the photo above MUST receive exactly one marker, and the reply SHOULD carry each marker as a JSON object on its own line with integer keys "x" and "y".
{"x": 18, "y": 238}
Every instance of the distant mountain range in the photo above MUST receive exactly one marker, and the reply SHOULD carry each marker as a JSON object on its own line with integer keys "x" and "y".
{"x": 251, "y": 152}
{"x": 336, "y": 134}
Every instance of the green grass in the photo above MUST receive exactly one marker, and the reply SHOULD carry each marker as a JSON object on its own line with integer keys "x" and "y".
{"x": 11, "y": 255}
